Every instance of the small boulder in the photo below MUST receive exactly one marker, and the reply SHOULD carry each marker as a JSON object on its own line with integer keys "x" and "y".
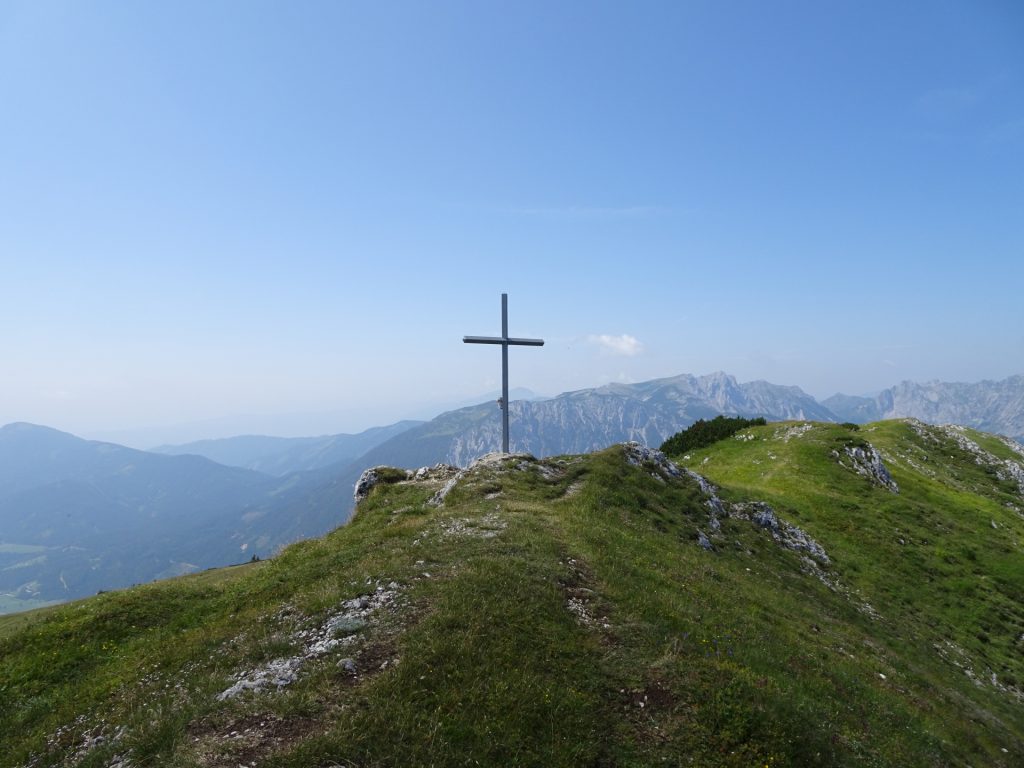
{"x": 366, "y": 483}
{"x": 705, "y": 542}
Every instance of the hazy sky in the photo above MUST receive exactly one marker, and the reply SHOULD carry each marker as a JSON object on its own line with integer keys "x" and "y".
{"x": 218, "y": 208}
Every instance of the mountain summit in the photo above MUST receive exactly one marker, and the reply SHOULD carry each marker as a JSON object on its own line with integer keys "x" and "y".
{"x": 797, "y": 594}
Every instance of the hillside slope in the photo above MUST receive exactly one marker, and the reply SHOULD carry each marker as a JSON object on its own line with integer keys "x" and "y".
{"x": 608, "y": 609}
{"x": 78, "y": 516}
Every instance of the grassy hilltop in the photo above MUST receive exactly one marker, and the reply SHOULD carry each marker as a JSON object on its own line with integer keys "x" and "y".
{"x": 805, "y": 607}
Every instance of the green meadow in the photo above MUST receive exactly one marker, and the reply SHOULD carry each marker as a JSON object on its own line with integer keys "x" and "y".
{"x": 564, "y": 612}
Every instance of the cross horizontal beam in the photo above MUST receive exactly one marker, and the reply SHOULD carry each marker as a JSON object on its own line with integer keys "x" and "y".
{"x": 500, "y": 340}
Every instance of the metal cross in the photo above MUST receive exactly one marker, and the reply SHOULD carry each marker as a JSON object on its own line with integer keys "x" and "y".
{"x": 505, "y": 342}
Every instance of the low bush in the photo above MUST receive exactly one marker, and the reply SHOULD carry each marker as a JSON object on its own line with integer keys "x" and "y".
{"x": 702, "y": 433}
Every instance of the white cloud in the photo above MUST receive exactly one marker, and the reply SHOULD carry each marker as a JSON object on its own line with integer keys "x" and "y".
{"x": 623, "y": 344}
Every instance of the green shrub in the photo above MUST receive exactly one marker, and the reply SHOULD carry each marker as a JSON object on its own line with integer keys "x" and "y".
{"x": 702, "y": 433}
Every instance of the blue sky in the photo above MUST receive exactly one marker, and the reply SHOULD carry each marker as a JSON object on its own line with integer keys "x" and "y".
{"x": 221, "y": 209}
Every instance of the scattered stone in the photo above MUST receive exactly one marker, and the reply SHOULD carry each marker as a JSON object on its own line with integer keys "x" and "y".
{"x": 637, "y": 455}
{"x": 355, "y": 614}
{"x": 485, "y": 527}
{"x": 546, "y": 470}
{"x": 953, "y": 654}
{"x": 436, "y": 472}
{"x": 579, "y": 599}
{"x": 85, "y": 740}
{"x": 277, "y": 673}
{"x": 497, "y": 459}
{"x": 704, "y": 541}
{"x": 1013, "y": 445}
{"x": 579, "y": 608}
{"x": 795, "y": 431}
{"x": 1015, "y": 472}
{"x": 439, "y": 472}
{"x": 438, "y": 498}
{"x": 453, "y": 475}
{"x": 1006, "y": 469}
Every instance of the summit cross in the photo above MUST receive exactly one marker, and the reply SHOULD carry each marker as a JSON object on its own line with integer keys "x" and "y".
{"x": 505, "y": 342}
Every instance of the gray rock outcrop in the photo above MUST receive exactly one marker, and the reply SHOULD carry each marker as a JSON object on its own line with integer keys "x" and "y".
{"x": 366, "y": 483}
{"x": 759, "y": 513}
{"x": 785, "y": 534}
{"x": 867, "y": 462}
{"x": 1005, "y": 469}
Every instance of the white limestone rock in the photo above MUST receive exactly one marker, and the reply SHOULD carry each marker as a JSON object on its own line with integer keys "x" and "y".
{"x": 867, "y": 462}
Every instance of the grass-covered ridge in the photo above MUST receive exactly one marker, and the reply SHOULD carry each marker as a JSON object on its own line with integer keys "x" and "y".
{"x": 565, "y": 612}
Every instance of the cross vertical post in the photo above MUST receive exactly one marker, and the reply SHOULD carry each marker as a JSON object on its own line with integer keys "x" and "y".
{"x": 504, "y": 373}
{"x": 505, "y": 342}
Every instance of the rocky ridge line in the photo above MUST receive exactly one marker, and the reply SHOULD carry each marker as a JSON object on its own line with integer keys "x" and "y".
{"x": 448, "y": 474}
{"x": 760, "y": 513}
{"x": 1007, "y": 470}
{"x": 814, "y": 559}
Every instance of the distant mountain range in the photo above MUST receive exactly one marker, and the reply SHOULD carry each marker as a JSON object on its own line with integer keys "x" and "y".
{"x": 648, "y": 412}
{"x": 280, "y": 456}
{"x": 77, "y": 516}
{"x": 577, "y": 422}
{"x": 991, "y": 406}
